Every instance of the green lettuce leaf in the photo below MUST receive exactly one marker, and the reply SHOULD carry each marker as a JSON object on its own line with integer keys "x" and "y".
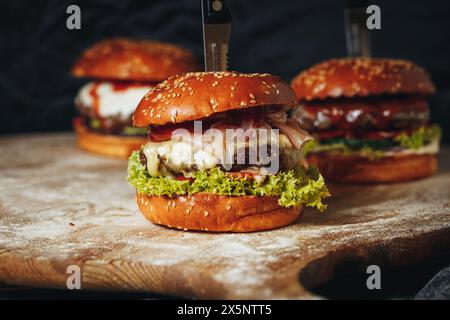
{"x": 139, "y": 177}
{"x": 375, "y": 148}
{"x": 133, "y": 131}
{"x": 419, "y": 138}
{"x": 366, "y": 150}
{"x": 294, "y": 188}
{"x": 95, "y": 123}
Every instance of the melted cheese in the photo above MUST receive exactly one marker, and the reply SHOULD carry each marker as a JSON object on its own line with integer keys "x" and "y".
{"x": 182, "y": 156}
{"x": 177, "y": 157}
{"x": 151, "y": 153}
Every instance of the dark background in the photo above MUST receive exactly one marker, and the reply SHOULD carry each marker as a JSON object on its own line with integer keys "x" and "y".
{"x": 280, "y": 37}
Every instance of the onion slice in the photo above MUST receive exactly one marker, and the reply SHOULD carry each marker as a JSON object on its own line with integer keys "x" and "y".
{"x": 291, "y": 129}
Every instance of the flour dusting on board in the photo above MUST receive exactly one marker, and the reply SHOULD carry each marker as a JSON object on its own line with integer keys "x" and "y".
{"x": 59, "y": 204}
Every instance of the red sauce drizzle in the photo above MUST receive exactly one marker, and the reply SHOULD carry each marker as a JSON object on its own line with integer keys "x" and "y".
{"x": 124, "y": 85}
{"x": 117, "y": 86}
{"x": 95, "y": 98}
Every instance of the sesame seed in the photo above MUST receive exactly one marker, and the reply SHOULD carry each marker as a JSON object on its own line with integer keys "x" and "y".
{"x": 228, "y": 207}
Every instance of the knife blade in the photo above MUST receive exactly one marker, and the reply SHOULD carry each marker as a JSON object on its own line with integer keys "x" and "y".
{"x": 356, "y": 32}
{"x": 216, "y": 34}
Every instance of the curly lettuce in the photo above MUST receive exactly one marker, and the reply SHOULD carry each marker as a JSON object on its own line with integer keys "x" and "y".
{"x": 294, "y": 188}
{"x": 365, "y": 150}
{"x": 419, "y": 138}
{"x": 376, "y": 148}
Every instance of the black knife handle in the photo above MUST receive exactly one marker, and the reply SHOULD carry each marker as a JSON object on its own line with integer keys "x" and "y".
{"x": 357, "y": 34}
{"x": 356, "y": 4}
{"x": 215, "y": 12}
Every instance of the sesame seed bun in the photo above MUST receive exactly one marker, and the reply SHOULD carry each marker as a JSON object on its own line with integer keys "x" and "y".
{"x": 357, "y": 169}
{"x": 199, "y": 95}
{"x": 107, "y": 145}
{"x": 361, "y": 77}
{"x": 228, "y": 214}
{"x": 136, "y": 60}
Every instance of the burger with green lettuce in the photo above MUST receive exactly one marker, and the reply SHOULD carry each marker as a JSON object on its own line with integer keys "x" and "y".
{"x": 222, "y": 155}
{"x": 369, "y": 118}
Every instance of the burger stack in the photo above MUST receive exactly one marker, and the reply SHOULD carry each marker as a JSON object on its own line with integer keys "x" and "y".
{"x": 122, "y": 72}
{"x": 369, "y": 118}
{"x": 184, "y": 184}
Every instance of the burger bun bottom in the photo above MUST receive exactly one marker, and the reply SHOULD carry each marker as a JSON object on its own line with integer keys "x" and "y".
{"x": 361, "y": 170}
{"x": 107, "y": 145}
{"x": 216, "y": 213}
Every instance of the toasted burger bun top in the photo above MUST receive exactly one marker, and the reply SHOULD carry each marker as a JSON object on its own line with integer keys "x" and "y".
{"x": 361, "y": 77}
{"x": 198, "y": 95}
{"x": 137, "y": 60}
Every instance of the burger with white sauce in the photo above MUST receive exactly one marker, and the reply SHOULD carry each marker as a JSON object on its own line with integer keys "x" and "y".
{"x": 123, "y": 71}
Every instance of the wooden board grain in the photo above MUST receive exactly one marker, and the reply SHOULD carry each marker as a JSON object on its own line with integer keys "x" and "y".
{"x": 60, "y": 206}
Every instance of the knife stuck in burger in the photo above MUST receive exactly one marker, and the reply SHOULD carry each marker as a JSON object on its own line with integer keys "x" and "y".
{"x": 370, "y": 120}
{"x": 209, "y": 163}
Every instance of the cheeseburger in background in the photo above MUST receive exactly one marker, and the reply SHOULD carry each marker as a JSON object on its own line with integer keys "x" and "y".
{"x": 181, "y": 175}
{"x": 123, "y": 71}
{"x": 370, "y": 120}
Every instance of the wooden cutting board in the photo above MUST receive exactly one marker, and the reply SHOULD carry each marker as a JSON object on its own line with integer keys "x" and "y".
{"x": 60, "y": 206}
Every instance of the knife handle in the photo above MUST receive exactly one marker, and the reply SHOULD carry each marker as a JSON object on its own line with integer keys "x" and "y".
{"x": 215, "y": 12}
{"x": 356, "y": 32}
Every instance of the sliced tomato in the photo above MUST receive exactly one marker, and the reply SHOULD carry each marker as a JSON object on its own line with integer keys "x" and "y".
{"x": 164, "y": 133}
{"x": 76, "y": 121}
{"x": 245, "y": 175}
{"x": 369, "y": 135}
{"x": 380, "y": 135}
{"x": 325, "y": 135}
{"x": 183, "y": 178}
